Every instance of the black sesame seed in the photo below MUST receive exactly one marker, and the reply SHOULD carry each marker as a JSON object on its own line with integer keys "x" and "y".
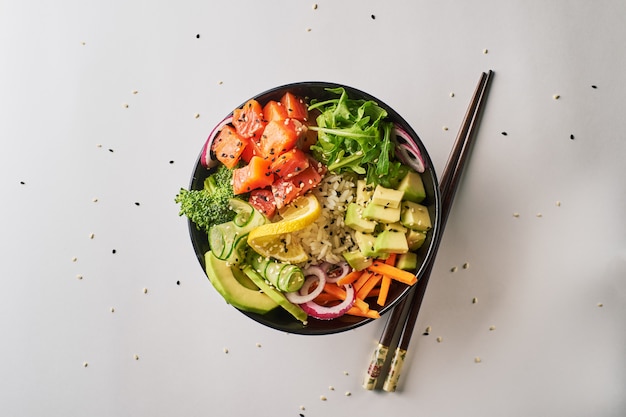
{"x": 110, "y": 150}
{"x": 136, "y": 203}
{"x": 594, "y": 86}
{"x": 113, "y": 251}
{"x": 571, "y": 137}
{"x": 171, "y": 162}
{"x": 198, "y": 36}
{"x": 177, "y": 282}
{"x": 22, "y": 182}
{"x": 373, "y": 17}
{"x": 504, "y": 133}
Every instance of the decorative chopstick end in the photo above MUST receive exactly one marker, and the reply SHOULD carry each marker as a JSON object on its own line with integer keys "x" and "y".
{"x": 375, "y": 367}
{"x": 391, "y": 382}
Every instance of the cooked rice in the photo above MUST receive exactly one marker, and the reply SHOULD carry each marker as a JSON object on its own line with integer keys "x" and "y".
{"x": 327, "y": 238}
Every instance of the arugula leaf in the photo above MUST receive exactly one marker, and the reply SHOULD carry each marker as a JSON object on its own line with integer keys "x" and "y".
{"x": 353, "y": 135}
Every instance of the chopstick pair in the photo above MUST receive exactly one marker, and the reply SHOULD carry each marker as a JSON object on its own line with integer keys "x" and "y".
{"x": 404, "y": 316}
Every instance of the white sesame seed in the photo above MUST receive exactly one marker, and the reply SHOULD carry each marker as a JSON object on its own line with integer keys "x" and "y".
{"x": 600, "y": 305}
{"x": 330, "y": 387}
{"x": 558, "y": 204}
{"x": 445, "y": 128}
{"x": 112, "y": 310}
{"x": 485, "y": 51}
{"x": 453, "y": 269}
{"x": 539, "y": 215}
{"x": 145, "y": 291}
{"x": 439, "y": 339}
{"x": 474, "y": 300}
{"x": 314, "y": 6}
{"x": 323, "y": 397}
{"x": 515, "y": 214}
{"x": 451, "y": 94}
{"x": 85, "y": 364}
{"x": 477, "y": 360}
{"x": 466, "y": 265}
{"x": 91, "y": 236}
{"x": 556, "y": 96}
{"x": 196, "y": 115}
{"x": 136, "y": 357}
{"x": 348, "y": 393}
{"x": 135, "y": 91}
{"x": 226, "y": 350}
{"x": 492, "y": 327}
{"x": 258, "y": 345}
{"x": 95, "y": 200}
{"x": 125, "y": 105}
{"x": 79, "y": 276}
{"x": 74, "y": 259}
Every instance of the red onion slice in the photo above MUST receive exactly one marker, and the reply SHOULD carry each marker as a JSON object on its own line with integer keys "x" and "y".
{"x": 328, "y": 313}
{"x": 206, "y": 160}
{"x": 334, "y": 272}
{"x": 313, "y": 274}
{"x": 408, "y": 150}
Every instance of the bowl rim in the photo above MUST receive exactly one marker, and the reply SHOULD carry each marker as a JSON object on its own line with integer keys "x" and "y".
{"x": 296, "y": 327}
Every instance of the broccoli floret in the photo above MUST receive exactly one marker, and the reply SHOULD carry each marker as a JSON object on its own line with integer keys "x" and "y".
{"x": 208, "y": 206}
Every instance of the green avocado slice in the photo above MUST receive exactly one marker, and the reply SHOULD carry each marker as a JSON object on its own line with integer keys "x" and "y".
{"x": 221, "y": 275}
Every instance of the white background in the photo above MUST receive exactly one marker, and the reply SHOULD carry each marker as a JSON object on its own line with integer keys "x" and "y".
{"x": 98, "y": 101}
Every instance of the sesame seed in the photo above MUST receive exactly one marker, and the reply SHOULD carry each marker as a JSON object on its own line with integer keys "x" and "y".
{"x": 85, "y": 364}
{"x": 135, "y": 91}
{"x": 571, "y": 137}
{"x": 515, "y": 214}
{"x": 95, "y": 200}
{"x": 74, "y": 259}
{"x": 136, "y": 357}
{"x": 485, "y": 51}
{"x": 466, "y": 265}
{"x": 323, "y": 397}
{"x": 112, "y": 310}
{"x": 427, "y": 331}
{"x": 91, "y": 236}
{"x": 474, "y": 300}
{"x": 226, "y": 350}
{"x": 258, "y": 345}
{"x": 539, "y": 215}
{"x": 79, "y": 276}
{"x": 145, "y": 291}
{"x": 348, "y": 393}
{"x": 373, "y": 17}
{"x": 558, "y": 204}
{"x": 439, "y": 339}
{"x": 125, "y": 105}
{"x": 600, "y": 305}
{"x": 445, "y": 128}
{"x": 314, "y": 6}
{"x": 556, "y": 96}
{"x": 331, "y": 388}
{"x": 492, "y": 328}
{"x": 453, "y": 269}
{"x": 451, "y": 94}
{"x": 477, "y": 360}
{"x": 504, "y": 133}
{"x": 196, "y": 115}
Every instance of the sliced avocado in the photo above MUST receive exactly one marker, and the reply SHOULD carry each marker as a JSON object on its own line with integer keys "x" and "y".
{"x": 396, "y": 227}
{"x": 363, "y": 192}
{"x": 221, "y": 276}
{"x": 366, "y": 242}
{"x": 387, "y": 197}
{"x": 415, "y": 216}
{"x": 407, "y": 261}
{"x": 355, "y": 220}
{"x": 413, "y": 187}
{"x": 381, "y": 213}
{"x": 415, "y": 239}
{"x": 275, "y": 295}
{"x": 390, "y": 241}
{"x": 357, "y": 260}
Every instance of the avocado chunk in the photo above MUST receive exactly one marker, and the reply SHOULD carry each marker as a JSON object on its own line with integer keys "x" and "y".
{"x": 363, "y": 192}
{"x": 221, "y": 275}
{"x": 357, "y": 260}
{"x": 389, "y": 241}
{"x": 412, "y": 187}
{"x": 415, "y": 239}
{"x": 275, "y": 295}
{"x": 407, "y": 261}
{"x": 387, "y": 197}
{"x": 355, "y": 220}
{"x": 415, "y": 216}
{"x": 396, "y": 227}
{"x": 381, "y": 214}
{"x": 366, "y": 242}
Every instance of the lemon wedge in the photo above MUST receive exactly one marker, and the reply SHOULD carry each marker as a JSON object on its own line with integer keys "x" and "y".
{"x": 275, "y": 239}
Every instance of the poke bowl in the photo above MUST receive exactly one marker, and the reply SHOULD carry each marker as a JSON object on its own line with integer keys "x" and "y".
{"x": 335, "y": 213}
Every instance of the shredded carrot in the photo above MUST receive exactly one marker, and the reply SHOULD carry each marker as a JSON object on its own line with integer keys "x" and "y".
{"x": 368, "y": 286}
{"x": 391, "y": 260}
{"x": 349, "y": 278}
{"x": 340, "y": 293}
{"x": 325, "y": 298}
{"x": 355, "y": 311}
{"x": 384, "y": 290}
{"x": 362, "y": 280}
{"x": 393, "y": 272}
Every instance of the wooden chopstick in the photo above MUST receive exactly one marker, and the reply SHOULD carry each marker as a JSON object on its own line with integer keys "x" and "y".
{"x": 404, "y": 316}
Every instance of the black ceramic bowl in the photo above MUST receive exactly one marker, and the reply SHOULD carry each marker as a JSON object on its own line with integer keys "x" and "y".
{"x": 408, "y": 146}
